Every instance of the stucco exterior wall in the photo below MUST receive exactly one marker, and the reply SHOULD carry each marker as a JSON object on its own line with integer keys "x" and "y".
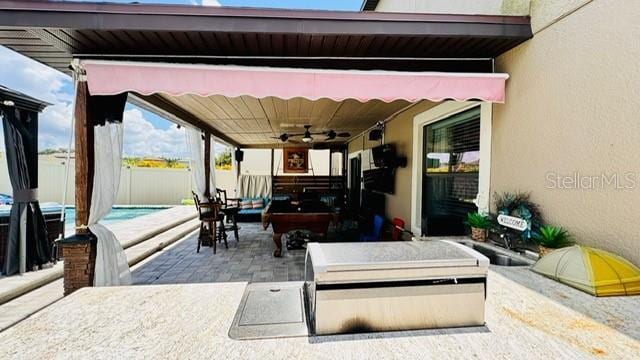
{"x": 546, "y": 12}
{"x": 360, "y": 143}
{"x": 483, "y": 7}
{"x": 543, "y": 12}
{"x": 572, "y": 108}
{"x": 398, "y": 131}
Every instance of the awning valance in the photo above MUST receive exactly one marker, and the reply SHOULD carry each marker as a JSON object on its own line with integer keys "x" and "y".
{"x": 110, "y": 77}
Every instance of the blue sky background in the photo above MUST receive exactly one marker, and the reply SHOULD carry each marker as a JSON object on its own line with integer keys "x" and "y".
{"x": 146, "y": 134}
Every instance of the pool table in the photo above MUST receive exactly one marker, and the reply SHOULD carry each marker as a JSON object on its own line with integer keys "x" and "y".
{"x": 285, "y": 216}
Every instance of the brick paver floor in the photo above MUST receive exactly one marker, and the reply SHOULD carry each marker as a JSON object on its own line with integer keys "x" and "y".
{"x": 251, "y": 259}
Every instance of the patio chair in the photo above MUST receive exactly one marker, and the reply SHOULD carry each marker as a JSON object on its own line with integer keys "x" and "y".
{"x": 229, "y": 211}
{"x": 378, "y": 221}
{"x": 208, "y": 215}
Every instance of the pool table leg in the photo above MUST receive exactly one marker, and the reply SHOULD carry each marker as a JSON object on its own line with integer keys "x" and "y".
{"x": 277, "y": 239}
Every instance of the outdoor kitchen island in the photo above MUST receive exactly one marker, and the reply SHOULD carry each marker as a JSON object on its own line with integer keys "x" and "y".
{"x": 527, "y": 317}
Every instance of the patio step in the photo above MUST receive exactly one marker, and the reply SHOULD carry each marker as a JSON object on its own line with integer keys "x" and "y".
{"x": 21, "y": 307}
{"x": 17, "y": 285}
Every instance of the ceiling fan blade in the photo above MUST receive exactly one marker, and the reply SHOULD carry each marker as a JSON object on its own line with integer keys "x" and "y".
{"x": 343, "y": 134}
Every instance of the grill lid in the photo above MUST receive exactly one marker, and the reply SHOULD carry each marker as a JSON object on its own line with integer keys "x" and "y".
{"x": 335, "y": 257}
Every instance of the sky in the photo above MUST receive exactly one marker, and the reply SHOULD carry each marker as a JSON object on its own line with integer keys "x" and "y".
{"x": 146, "y": 134}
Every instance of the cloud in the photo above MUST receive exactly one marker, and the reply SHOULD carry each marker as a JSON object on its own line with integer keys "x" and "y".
{"x": 37, "y": 80}
{"x": 141, "y": 138}
{"x": 210, "y": 3}
{"x": 33, "y": 78}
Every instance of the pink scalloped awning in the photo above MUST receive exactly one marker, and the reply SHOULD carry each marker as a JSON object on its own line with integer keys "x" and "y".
{"x": 109, "y": 78}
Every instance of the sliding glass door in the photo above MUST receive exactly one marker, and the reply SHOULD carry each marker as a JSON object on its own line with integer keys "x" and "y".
{"x": 450, "y": 173}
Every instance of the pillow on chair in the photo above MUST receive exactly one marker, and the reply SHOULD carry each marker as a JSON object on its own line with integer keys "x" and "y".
{"x": 257, "y": 204}
{"x": 245, "y": 204}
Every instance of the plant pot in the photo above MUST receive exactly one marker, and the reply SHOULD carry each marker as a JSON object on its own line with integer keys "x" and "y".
{"x": 543, "y": 250}
{"x": 478, "y": 234}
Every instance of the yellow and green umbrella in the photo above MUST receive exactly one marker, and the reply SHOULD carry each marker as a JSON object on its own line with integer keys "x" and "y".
{"x": 594, "y": 271}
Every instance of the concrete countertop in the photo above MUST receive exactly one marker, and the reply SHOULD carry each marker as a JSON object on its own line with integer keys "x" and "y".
{"x": 192, "y": 321}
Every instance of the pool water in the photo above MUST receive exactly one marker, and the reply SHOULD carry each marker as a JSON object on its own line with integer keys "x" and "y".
{"x": 117, "y": 214}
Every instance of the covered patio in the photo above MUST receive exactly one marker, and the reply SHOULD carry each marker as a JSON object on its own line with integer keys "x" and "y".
{"x": 348, "y": 101}
{"x": 251, "y": 77}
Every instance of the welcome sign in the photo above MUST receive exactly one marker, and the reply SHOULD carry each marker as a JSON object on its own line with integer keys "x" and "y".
{"x": 512, "y": 222}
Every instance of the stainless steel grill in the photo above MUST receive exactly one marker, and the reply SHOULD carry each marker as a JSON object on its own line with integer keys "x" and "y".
{"x": 385, "y": 286}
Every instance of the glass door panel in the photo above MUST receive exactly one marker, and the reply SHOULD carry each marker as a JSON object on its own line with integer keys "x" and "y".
{"x": 450, "y": 173}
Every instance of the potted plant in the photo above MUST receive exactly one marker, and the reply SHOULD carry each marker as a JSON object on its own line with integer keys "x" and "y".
{"x": 479, "y": 224}
{"x": 550, "y": 238}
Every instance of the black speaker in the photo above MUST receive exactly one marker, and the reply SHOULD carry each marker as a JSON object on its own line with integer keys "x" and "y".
{"x": 375, "y": 135}
{"x": 239, "y": 155}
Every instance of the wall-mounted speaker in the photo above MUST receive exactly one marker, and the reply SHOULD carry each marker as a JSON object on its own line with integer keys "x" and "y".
{"x": 375, "y": 134}
{"x": 239, "y": 155}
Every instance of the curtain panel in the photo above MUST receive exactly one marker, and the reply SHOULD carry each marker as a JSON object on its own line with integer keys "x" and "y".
{"x": 212, "y": 177}
{"x": 195, "y": 146}
{"x": 26, "y": 245}
{"x": 111, "y": 268}
{"x": 111, "y": 262}
{"x": 254, "y": 186}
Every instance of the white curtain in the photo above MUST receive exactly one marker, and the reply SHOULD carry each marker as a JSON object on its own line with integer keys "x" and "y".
{"x": 112, "y": 268}
{"x": 195, "y": 145}
{"x": 213, "y": 166}
{"x": 253, "y": 186}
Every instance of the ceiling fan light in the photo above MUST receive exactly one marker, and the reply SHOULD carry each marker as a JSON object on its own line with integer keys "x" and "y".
{"x": 307, "y": 139}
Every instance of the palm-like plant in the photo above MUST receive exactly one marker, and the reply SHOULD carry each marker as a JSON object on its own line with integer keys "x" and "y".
{"x": 477, "y": 220}
{"x": 553, "y": 237}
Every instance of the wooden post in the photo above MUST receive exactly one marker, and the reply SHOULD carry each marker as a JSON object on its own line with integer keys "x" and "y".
{"x": 84, "y": 158}
{"x": 207, "y": 164}
{"x": 272, "y": 162}
{"x": 80, "y": 251}
{"x": 330, "y": 169}
{"x": 238, "y": 169}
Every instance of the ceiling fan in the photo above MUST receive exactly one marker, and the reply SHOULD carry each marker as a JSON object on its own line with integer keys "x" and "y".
{"x": 307, "y": 136}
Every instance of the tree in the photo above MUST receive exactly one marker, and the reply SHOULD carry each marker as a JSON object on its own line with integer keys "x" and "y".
{"x": 223, "y": 160}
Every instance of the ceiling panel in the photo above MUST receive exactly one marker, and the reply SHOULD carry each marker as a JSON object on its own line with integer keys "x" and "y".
{"x": 252, "y": 121}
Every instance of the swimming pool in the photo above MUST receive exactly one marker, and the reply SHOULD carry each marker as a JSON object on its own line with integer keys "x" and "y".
{"x": 117, "y": 214}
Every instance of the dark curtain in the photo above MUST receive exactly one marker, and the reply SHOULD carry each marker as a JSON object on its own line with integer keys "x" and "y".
{"x": 108, "y": 108}
{"x": 26, "y": 220}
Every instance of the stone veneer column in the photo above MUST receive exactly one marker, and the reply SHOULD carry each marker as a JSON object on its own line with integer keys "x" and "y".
{"x": 79, "y": 263}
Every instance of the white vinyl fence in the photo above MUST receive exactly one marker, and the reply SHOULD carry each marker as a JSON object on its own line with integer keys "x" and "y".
{"x": 138, "y": 186}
